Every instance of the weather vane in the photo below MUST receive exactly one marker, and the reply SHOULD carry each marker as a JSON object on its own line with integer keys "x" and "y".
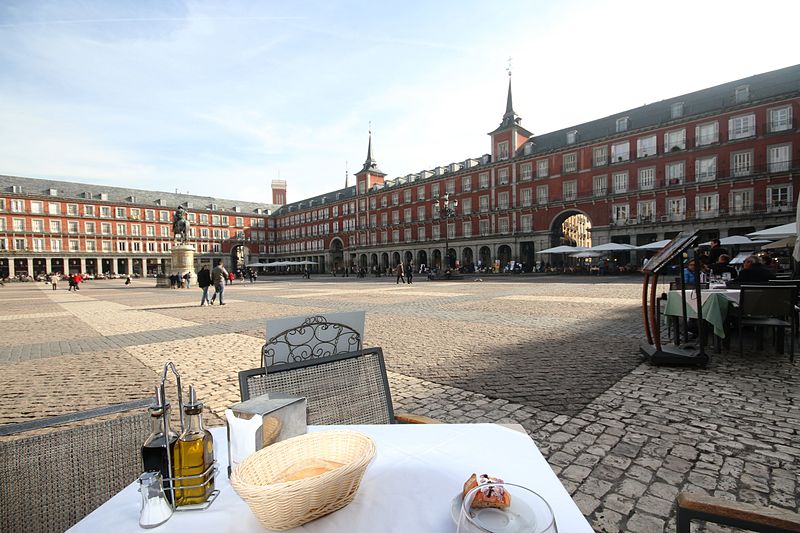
{"x": 508, "y": 68}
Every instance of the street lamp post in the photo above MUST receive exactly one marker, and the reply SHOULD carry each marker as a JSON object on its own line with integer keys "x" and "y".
{"x": 447, "y": 210}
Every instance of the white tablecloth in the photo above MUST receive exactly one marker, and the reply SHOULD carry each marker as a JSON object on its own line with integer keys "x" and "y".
{"x": 409, "y": 486}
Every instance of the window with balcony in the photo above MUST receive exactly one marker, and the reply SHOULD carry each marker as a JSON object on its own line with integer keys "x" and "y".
{"x": 705, "y": 134}
{"x": 136, "y": 230}
{"x": 74, "y": 245}
{"x": 72, "y": 226}
{"x": 526, "y": 197}
{"x": 502, "y": 176}
{"x": 600, "y": 185}
{"x": 36, "y": 207}
{"x": 407, "y": 235}
{"x": 451, "y": 230}
{"x": 372, "y": 204}
{"x": 466, "y": 184}
{"x": 647, "y": 178}
{"x": 503, "y": 224}
{"x": 676, "y": 173}
{"x": 384, "y": 219}
{"x": 165, "y": 231}
{"x": 55, "y": 226}
{"x": 484, "y": 227}
{"x": 105, "y": 211}
{"x": 542, "y": 195}
{"x": 120, "y": 212}
{"x": 675, "y": 140}
{"x": 542, "y": 168}
{"x": 569, "y": 162}
{"x": 17, "y": 206}
{"x": 54, "y": 208}
{"x": 742, "y": 126}
{"x": 705, "y": 168}
{"x": 466, "y": 206}
{"x": 600, "y": 156}
{"x": 526, "y": 223}
{"x": 450, "y": 187}
{"x": 483, "y": 180}
{"x": 163, "y": 216}
{"x": 395, "y": 199}
{"x": 91, "y": 246}
{"x": 707, "y": 205}
{"x": 620, "y": 214}
{"x": 19, "y": 224}
{"x": 646, "y": 146}
{"x": 779, "y": 158}
{"x": 466, "y": 229}
{"x": 121, "y": 229}
{"x": 621, "y": 151}
{"x": 105, "y": 246}
{"x": 55, "y": 245}
{"x": 421, "y": 234}
{"x": 502, "y": 150}
{"x": 420, "y": 213}
{"x": 38, "y": 245}
{"x": 483, "y": 204}
{"x": 620, "y": 182}
{"x": 646, "y": 211}
{"x": 780, "y": 118}
{"x": 88, "y": 210}
{"x": 741, "y": 202}
{"x": 741, "y": 163}
{"x": 37, "y": 226}
{"x": 435, "y": 190}
{"x": 105, "y": 228}
{"x": 435, "y": 232}
{"x": 19, "y": 244}
{"x": 407, "y": 196}
{"x": 420, "y": 194}
{"x": 676, "y": 209}
{"x": 502, "y": 200}
{"x": 570, "y": 190}
{"x": 526, "y": 171}
{"x": 407, "y": 214}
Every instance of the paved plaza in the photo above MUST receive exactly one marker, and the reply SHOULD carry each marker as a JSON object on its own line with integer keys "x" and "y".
{"x": 558, "y": 355}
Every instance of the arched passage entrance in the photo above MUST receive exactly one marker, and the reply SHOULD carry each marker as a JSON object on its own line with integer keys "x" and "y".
{"x": 384, "y": 261}
{"x": 337, "y": 254}
{"x": 240, "y": 256}
{"x": 571, "y": 227}
{"x": 485, "y": 256}
{"x": 373, "y": 260}
{"x": 504, "y": 255}
{"x": 422, "y": 258}
{"x": 395, "y": 259}
{"x": 467, "y": 259}
{"x": 436, "y": 258}
{"x": 362, "y": 261}
{"x": 409, "y": 258}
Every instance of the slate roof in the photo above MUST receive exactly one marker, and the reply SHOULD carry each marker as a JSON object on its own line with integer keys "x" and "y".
{"x": 68, "y": 189}
{"x": 317, "y": 201}
{"x": 783, "y": 82}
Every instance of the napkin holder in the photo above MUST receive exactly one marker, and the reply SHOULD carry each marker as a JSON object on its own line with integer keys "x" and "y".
{"x": 261, "y": 421}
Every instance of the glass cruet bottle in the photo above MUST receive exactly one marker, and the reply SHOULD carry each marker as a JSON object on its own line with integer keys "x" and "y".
{"x": 194, "y": 455}
{"x": 154, "y": 451}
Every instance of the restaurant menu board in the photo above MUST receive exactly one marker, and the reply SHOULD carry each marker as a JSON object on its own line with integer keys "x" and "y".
{"x": 665, "y": 256}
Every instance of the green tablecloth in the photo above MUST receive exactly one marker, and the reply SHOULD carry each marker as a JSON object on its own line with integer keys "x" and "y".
{"x": 715, "y": 308}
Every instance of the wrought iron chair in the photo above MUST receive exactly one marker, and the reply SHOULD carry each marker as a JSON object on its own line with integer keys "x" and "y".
{"x": 52, "y": 480}
{"x": 346, "y": 388}
{"x": 740, "y": 515}
{"x": 768, "y": 305}
{"x": 314, "y": 337}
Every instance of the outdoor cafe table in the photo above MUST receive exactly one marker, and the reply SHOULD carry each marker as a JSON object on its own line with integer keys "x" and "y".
{"x": 409, "y": 486}
{"x": 716, "y": 303}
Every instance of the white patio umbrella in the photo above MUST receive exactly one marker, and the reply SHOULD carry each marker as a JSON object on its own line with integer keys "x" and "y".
{"x": 612, "y": 247}
{"x": 256, "y": 265}
{"x": 778, "y": 232}
{"x": 562, "y": 250}
{"x": 654, "y": 245}
{"x": 586, "y": 254}
{"x": 733, "y": 240}
{"x": 788, "y": 242}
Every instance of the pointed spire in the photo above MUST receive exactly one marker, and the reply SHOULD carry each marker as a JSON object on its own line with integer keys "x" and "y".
{"x": 509, "y": 118}
{"x": 346, "y": 176}
{"x": 370, "y": 164}
{"x": 509, "y": 105}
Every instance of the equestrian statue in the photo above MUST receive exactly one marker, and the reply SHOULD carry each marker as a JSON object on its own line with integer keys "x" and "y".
{"x": 180, "y": 225}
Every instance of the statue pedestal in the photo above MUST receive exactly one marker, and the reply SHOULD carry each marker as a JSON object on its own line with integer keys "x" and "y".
{"x": 182, "y": 259}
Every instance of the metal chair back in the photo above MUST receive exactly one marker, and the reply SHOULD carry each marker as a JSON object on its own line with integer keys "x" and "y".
{"x": 314, "y": 337}
{"x": 52, "y": 480}
{"x": 347, "y": 388}
{"x": 767, "y": 301}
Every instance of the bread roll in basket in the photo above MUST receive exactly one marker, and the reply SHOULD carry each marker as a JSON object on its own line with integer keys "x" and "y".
{"x": 283, "y": 505}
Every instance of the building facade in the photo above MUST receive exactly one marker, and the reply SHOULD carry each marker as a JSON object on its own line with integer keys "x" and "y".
{"x": 56, "y": 226}
{"x": 724, "y": 160}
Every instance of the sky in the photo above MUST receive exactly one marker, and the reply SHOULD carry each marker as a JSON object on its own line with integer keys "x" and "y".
{"x": 219, "y": 98}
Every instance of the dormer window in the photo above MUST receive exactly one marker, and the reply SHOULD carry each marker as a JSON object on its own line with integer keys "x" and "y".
{"x": 676, "y": 110}
{"x": 572, "y": 136}
{"x": 742, "y": 94}
{"x": 622, "y": 124}
{"x": 528, "y": 150}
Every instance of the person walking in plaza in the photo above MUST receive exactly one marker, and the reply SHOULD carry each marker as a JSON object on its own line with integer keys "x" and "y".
{"x": 188, "y": 278}
{"x": 54, "y": 280}
{"x": 204, "y": 282}
{"x": 127, "y": 279}
{"x": 219, "y": 276}
{"x": 400, "y": 271}
{"x": 410, "y": 272}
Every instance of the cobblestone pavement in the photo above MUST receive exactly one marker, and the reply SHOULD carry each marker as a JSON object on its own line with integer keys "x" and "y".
{"x": 558, "y": 355}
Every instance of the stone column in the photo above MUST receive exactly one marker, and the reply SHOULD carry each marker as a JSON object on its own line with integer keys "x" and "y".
{"x": 83, "y": 265}
{"x": 48, "y": 264}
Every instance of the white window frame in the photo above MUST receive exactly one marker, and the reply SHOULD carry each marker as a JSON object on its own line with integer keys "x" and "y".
{"x": 526, "y": 171}
{"x": 742, "y": 126}
{"x": 620, "y": 182}
{"x": 675, "y": 173}
{"x": 740, "y": 201}
{"x": 705, "y": 168}
{"x": 779, "y": 157}
{"x": 646, "y": 146}
{"x": 779, "y": 118}
{"x": 542, "y": 168}
{"x": 570, "y": 190}
{"x": 569, "y": 162}
{"x": 704, "y": 137}
{"x": 600, "y": 185}
{"x": 621, "y": 152}
{"x": 542, "y": 194}
{"x": 741, "y": 163}
{"x": 647, "y": 178}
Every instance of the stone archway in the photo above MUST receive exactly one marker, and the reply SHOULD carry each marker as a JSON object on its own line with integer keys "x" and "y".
{"x": 571, "y": 227}
{"x": 422, "y": 258}
{"x": 240, "y": 256}
{"x": 337, "y": 254}
{"x": 504, "y": 255}
{"x": 485, "y": 256}
{"x": 384, "y": 261}
{"x": 395, "y": 259}
{"x": 362, "y": 261}
{"x": 467, "y": 259}
{"x": 409, "y": 258}
{"x": 373, "y": 260}
{"x": 436, "y": 258}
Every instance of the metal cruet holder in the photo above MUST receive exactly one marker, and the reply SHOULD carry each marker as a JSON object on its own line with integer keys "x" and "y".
{"x": 170, "y": 483}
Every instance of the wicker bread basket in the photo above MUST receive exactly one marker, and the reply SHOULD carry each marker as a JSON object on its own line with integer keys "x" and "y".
{"x": 290, "y": 504}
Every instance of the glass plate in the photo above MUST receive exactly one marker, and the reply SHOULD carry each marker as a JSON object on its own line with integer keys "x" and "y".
{"x": 519, "y": 517}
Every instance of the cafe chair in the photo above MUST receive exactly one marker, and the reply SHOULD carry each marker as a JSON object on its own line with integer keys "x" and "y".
{"x": 52, "y": 478}
{"x": 301, "y": 338}
{"x": 747, "y": 516}
{"x": 346, "y": 388}
{"x": 768, "y": 305}
{"x": 792, "y": 283}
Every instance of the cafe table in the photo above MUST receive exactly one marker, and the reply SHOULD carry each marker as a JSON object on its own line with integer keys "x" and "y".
{"x": 716, "y": 304}
{"x": 417, "y": 472}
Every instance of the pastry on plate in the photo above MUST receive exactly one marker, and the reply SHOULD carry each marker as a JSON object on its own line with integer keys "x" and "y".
{"x": 489, "y": 496}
